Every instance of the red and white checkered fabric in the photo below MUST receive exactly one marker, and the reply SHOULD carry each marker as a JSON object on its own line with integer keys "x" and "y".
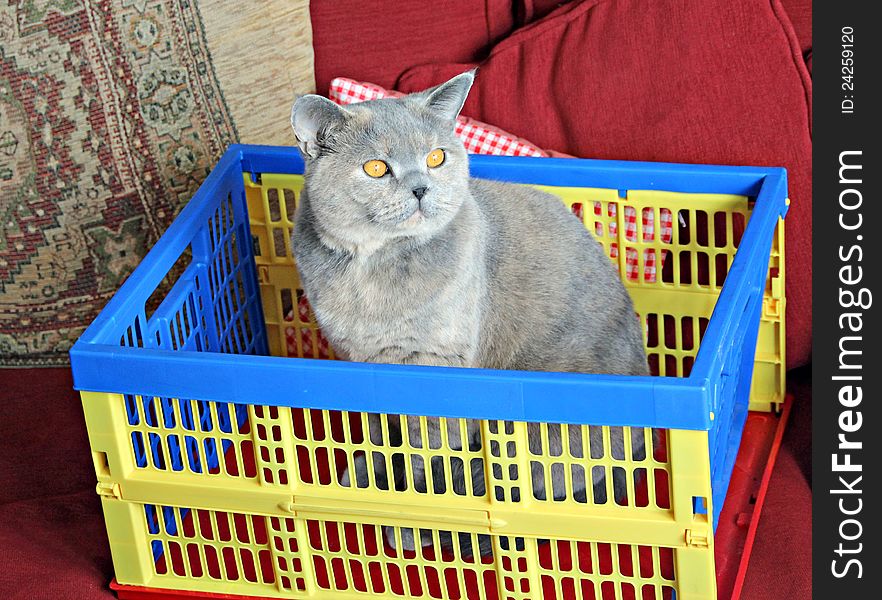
{"x": 632, "y": 265}
{"x": 478, "y": 137}
{"x": 304, "y": 314}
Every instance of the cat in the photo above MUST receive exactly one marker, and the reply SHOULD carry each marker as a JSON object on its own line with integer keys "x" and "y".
{"x": 407, "y": 259}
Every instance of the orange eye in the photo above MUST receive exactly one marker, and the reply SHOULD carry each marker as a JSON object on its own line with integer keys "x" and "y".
{"x": 435, "y": 158}
{"x": 376, "y": 168}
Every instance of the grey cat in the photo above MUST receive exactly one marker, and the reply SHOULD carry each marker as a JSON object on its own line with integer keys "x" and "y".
{"x": 406, "y": 259}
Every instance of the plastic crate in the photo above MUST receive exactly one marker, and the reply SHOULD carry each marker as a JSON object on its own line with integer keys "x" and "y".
{"x": 218, "y": 464}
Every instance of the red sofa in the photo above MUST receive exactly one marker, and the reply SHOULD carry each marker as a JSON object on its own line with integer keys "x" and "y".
{"x": 710, "y": 81}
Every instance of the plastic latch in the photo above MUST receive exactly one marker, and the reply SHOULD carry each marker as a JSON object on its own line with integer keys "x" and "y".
{"x": 108, "y": 489}
{"x": 771, "y": 308}
{"x": 696, "y": 538}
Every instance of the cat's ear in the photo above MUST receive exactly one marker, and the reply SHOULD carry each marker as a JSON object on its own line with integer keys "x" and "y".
{"x": 313, "y": 118}
{"x": 448, "y": 98}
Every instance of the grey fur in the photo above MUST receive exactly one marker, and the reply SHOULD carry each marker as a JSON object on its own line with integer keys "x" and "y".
{"x": 486, "y": 274}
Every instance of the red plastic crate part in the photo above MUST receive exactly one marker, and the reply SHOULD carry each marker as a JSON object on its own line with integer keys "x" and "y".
{"x": 739, "y": 519}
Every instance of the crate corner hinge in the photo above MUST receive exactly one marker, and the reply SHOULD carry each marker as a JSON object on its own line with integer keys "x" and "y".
{"x": 108, "y": 489}
{"x": 697, "y": 538}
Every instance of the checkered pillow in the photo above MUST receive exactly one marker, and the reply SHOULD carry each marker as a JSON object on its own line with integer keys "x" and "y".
{"x": 478, "y": 137}
{"x": 632, "y": 266}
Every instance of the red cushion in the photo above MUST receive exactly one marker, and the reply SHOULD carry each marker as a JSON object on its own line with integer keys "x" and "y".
{"x": 799, "y": 12}
{"x": 527, "y": 11}
{"x": 719, "y": 83}
{"x": 376, "y": 41}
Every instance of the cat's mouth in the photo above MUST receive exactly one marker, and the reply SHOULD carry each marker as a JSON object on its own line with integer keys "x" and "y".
{"x": 416, "y": 218}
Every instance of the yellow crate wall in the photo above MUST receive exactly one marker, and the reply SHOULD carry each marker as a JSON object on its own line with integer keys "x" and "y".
{"x": 284, "y": 557}
{"x": 246, "y": 535}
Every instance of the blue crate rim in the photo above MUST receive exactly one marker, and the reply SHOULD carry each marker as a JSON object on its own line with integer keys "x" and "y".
{"x": 681, "y": 403}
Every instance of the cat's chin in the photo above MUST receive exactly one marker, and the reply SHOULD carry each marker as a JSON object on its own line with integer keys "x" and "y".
{"x": 414, "y": 220}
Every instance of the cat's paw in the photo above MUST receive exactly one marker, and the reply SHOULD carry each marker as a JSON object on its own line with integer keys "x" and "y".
{"x": 408, "y": 541}
{"x": 406, "y": 538}
{"x": 360, "y": 467}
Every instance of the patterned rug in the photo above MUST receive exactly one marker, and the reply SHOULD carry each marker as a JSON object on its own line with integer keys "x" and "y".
{"x": 111, "y": 115}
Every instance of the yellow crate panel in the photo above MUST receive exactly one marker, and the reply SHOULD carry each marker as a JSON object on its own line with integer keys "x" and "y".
{"x": 291, "y": 557}
{"x": 663, "y": 473}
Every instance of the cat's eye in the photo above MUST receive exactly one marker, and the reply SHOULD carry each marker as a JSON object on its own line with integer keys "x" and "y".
{"x": 435, "y": 158}
{"x": 376, "y": 168}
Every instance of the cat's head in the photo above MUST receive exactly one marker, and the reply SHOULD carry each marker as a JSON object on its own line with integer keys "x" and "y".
{"x": 384, "y": 169}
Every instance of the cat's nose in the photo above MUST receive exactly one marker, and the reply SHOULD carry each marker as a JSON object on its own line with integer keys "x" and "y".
{"x": 419, "y": 192}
